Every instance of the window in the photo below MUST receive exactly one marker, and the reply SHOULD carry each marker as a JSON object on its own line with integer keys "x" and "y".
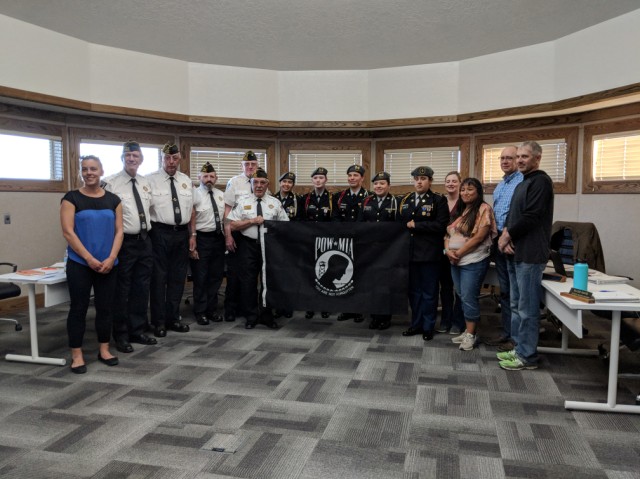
{"x": 400, "y": 163}
{"x": 110, "y": 154}
{"x": 303, "y": 163}
{"x": 616, "y": 157}
{"x": 227, "y": 161}
{"x": 32, "y": 157}
{"x": 553, "y": 162}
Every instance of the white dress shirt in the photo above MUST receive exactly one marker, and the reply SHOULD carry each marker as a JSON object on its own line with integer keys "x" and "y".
{"x": 246, "y": 209}
{"x": 120, "y": 185}
{"x": 236, "y": 187}
{"x": 205, "y": 217}
{"x": 161, "y": 204}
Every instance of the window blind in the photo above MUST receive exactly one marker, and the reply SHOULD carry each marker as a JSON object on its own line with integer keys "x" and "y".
{"x": 227, "y": 162}
{"x": 616, "y": 157}
{"x": 553, "y": 162}
{"x": 400, "y": 163}
{"x": 303, "y": 163}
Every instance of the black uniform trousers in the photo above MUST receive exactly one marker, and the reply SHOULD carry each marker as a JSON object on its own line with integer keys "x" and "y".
{"x": 170, "y": 264}
{"x": 135, "y": 264}
{"x": 232, "y": 298}
{"x": 207, "y": 272}
{"x": 249, "y": 262}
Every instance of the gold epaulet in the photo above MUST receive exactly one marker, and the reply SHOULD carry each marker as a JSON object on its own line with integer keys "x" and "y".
{"x": 406, "y": 197}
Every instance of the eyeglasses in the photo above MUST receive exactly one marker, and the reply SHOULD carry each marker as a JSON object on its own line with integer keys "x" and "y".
{"x": 507, "y": 157}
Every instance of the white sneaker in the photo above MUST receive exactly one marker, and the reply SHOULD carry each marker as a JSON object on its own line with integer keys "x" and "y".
{"x": 458, "y": 339}
{"x": 468, "y": 342}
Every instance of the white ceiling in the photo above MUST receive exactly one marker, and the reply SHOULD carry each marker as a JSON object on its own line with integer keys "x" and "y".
{"x": 316, "y": 34}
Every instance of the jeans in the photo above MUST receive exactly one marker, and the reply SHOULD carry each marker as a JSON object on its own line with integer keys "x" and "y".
{"x": 423, "y": 294}
{"x": 526, "y": 293}
{"x": 468, "y": 281}
{"x": 500, "y": 260}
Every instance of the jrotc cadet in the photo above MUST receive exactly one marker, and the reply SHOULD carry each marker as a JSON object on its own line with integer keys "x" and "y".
{"x": 171, "y": 204}
{"x": 289, "y": 200}
{"x": 207, "y": 246}
{"x": 426, "y": 214}
{"x": 237, "y": 186}
{"x": 317, "y": 205}
{"x": 381, "y": 206}
{"x": 346, "y": 207}
{"x": 135, "y": 259}
{"x": 247, "y": 217}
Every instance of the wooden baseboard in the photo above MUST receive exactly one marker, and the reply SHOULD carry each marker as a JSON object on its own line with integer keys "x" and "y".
{"x": 19, "y": 304}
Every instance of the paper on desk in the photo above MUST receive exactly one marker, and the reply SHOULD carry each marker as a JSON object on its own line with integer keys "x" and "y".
{"x": 596, "y": 277}
{"x": 614, "y": 297}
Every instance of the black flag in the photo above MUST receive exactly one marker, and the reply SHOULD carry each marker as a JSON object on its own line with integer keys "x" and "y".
{"x": 334, "y": 267}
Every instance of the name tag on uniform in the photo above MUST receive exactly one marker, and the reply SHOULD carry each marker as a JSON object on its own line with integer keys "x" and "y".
{"x": 247, "y": 207}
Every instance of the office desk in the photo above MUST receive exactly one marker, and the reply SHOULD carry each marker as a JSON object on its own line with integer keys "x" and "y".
{"x": 55, "y": 292}
{"x": 570, "y": 311}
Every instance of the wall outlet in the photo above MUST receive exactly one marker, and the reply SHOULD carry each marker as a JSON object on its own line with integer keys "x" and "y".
{"x": 7, "y": 219}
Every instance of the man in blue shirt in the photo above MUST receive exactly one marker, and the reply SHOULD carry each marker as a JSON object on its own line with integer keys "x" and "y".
{"x": 501, "y": 201}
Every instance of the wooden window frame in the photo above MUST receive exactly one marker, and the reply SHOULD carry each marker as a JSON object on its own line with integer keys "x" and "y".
{"x": 570, "y": 135}
{"x": 186, "y": 143}
{"x": 27, "y": 128}
{"x": 589, "y": 186}
{"x": 364, "y": 147}
{"x": 463, "y": 143}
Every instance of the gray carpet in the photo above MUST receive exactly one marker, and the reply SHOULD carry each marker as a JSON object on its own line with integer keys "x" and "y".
{"x": 316, "y": 399}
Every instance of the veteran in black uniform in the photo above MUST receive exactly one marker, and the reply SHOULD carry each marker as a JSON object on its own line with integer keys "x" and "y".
{"x": 207, "y": 246}
{"x": 380, "y": 207}
{"x": 346, "y": 207}
{"x": 291, "y": 203}
{"x": 135, "y": 259}
{"x": 317, "y": 205}
{"x": 426, "y": 214}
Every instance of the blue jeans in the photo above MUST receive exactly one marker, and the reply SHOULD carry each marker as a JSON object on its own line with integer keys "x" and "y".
{"x": 500, "y": 260}
{"x": 468, "y": 280}
{"x": 423, "y": 294}
{"x": 526, "y": 293}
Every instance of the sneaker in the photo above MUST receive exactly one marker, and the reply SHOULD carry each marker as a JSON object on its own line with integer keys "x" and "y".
{"x": 507, "y": 355}
{"x": 442, "y": 329}
{"x": 508, "y": 346}
{"x": 455, "y": 331}
{"x": 516, "y": 365}
{"x": 458, "y": 339}
{"x": 468, "y": 342}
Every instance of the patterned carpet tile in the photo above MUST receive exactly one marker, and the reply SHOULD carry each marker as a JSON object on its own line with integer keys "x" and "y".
{"x": 269, "y": 361}
{"x": 287, "y": 345}
{"x": 450, "y": 377}
{"x": 130, "y": 470}
{"x": 523, "y": 470}
{"x": 337, "y": 460}
{"x": 380, "y": 395}
{"x": 340, "y": 348}
{"x": 290, "y": 418}
{"x": 530, "y": 408}
{"x": 617, "y": 451}
{"x": 598, "y": 422}
{"x": 221, "y": 413}
{"x": 235, "y": 339}
{"x": 394, "y": 353}
{"x": 181, "y": 377}
{"x": 209, "y": 355}
{"x": 388, "y": 371}
{"x": 368, "y": 428}
{"x": 536, "y": 382}
{"x": 468, "y": 403}
{"x": 545, "y": 444}
{"x": 246, "y": 383}
{"x": 35, "y": 464}
{"x": 311, "y": 389}
{"x": 442, "y": 355}
{"x": 453, "y": 435}
{"x": 421, "y": 464}
{"x": 326, "y": 365}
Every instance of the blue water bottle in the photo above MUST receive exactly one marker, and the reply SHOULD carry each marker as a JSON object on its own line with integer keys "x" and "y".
{"x": 580, "y": 275}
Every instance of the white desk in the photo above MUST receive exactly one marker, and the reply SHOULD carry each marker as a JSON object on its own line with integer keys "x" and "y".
{"x": 55, "y": 292}
{"x": 569, "y": 311}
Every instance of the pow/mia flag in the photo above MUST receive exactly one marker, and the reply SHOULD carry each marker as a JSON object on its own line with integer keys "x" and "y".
{"x": 334, "y": 267}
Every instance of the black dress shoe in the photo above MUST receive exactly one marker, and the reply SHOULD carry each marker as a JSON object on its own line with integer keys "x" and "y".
{"x": 383, "y": 326}
{"x": 411, "y": 332}
{"x": 215, "y": 318}
{"x": 124, "y": 346}
{"x": 344, "y": 316}
{"x": 358, "y": 318}
{"x": 79, "y": 369}
{"x": 428, "y": 335}
{"x": 202, "y": 320}
{"x": 324, "y": 315}
{"x": 308, "y": 315}
{"x": 160, "y": 332}
{"x": 249, "y": 326}
{"x": 143, "y": 339}
{"x": 109, "y": 362}
{"x": 374, "y": 325}
{"x": 229, "y": 318}
{"x": 178, "y": 327}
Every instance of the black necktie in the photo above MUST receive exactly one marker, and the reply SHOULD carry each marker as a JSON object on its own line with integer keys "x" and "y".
{"x": 141, "y": 215}
{"x": 259, "y": 213}
{"x": 176, "y": 204}
{"x": 216, "y": 213}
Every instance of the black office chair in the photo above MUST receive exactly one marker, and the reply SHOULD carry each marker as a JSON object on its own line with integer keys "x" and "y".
{"x": 10, "y": 290}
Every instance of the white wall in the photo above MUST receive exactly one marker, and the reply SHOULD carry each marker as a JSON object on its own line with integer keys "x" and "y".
{"x": 594, "y": 59}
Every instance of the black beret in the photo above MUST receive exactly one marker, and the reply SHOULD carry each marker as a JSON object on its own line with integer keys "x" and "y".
{"x": 170, "y": 149}
{"x": 423, "y": 171}
{"x": 383, "y": 175}
{"x": 319, "y": 171}
{"x": 207, "y": 168}
{"x": 260, "y": 173}
{"x": 288, "y": 176}
{"x": 249, "y": 156}
{"x": 356, "y": 169}
{"x": 130, "y": 145}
